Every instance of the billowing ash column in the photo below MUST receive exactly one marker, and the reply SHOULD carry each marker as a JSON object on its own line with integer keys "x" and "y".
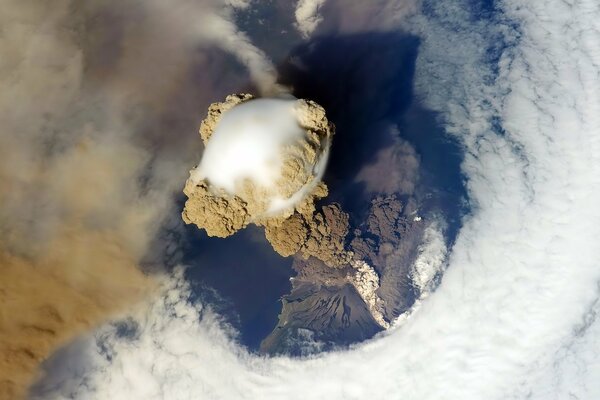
{"x": 262, "y": 164}
{"x": 263, "y": 161}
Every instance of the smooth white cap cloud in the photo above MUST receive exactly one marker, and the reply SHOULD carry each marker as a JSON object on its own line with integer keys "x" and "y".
{"x": 247, "y": 144}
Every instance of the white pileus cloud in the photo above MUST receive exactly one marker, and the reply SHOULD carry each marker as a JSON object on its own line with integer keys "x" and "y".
{"x": 246, "y": 143}
{"x": 249, "y": 143}
{"x": 516, "y": 311}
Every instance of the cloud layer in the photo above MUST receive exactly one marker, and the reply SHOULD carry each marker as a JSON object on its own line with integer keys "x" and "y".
{"x": 516, "y": 311}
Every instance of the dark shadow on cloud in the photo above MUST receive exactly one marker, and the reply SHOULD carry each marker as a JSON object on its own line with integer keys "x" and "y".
{"x": 66, "y": 365}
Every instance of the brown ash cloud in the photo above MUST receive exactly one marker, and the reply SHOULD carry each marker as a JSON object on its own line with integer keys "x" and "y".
{"x": 95, "y": 102}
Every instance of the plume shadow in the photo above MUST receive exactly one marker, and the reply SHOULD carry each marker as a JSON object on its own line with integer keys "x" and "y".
{"x": 365, "y": 83}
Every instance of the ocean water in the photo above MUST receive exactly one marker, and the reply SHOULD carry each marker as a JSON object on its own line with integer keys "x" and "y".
{"x": 247, "y": 276}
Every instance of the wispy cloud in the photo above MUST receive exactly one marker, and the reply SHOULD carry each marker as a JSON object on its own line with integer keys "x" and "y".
{"x": 308, "y": 16}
